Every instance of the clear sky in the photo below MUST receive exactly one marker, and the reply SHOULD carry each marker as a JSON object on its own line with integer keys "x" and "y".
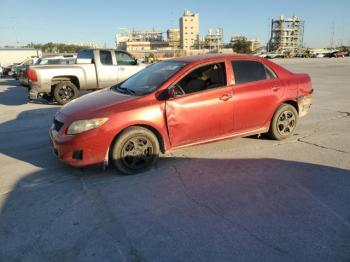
{"x": 70, "y": 21}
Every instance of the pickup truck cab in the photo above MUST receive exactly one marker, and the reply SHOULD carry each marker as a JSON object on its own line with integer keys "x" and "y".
{"x": 94, "y": 69}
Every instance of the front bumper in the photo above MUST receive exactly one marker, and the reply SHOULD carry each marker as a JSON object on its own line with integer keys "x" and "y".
{"x": 80, "y": 150}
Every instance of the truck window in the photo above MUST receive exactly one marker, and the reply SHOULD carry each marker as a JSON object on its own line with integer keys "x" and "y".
{"x": 106, "y": 57}
{"x": 124, "y": 59}
{"x": 86, "y": 54}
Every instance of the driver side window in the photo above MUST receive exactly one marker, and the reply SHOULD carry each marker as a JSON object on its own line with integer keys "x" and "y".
{"x": 203, "y": 78}
{"x": 124, "y": 59}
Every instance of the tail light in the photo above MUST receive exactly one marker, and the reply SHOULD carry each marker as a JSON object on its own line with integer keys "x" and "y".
{"x": 32, "y": 75}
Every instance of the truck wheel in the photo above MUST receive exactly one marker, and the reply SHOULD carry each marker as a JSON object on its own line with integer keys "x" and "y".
{"x": 64, "y": 92}
{"x": 135, "y": 150}
{"x": 284, "y": 122}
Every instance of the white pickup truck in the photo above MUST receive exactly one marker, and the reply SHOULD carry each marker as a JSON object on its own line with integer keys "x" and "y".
{"x": 94, "y": 69}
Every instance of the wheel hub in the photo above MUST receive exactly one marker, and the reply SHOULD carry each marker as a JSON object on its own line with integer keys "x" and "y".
{"x": 286, "y": 122}
{"x": 137, "y": 152}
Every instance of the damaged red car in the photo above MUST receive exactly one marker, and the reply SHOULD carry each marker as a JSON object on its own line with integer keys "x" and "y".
{"x": 177, "y": 103}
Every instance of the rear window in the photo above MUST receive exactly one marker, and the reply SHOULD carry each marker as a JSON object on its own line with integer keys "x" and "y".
{"x": 106, "y": 57}
{"x": 86, "y": 54}
{"x": 250, "y": 71}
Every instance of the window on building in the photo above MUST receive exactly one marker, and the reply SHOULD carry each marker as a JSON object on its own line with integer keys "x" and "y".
{"x": 250, "y": 71}
{"x": 106, "y": 57}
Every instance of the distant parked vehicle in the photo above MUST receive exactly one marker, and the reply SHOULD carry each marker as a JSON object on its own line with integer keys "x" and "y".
{"x": 319, "y": 55}
{"x": 18, "y": 68}
{"x": 51, "y": 60}
{"x": 57, "y": 60}
{"x": 95, "y": 69}
{"x": 336, "y": 54}
{"x": 6, "y": 70}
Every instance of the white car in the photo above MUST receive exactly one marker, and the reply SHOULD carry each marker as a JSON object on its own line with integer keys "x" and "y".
{"x": 57, "y": 60}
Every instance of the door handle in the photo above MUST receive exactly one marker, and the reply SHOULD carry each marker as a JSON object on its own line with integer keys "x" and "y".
{"x": 121, "y": 68}
{"x": 225, "y": 97}
{"x": 275, "y": 88}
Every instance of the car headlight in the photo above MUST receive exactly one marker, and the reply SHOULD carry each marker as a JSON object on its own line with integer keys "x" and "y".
{"x": 80, "y": 126}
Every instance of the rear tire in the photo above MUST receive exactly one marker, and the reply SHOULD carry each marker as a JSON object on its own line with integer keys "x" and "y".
{"x": 284, "y": 122}
{"x": 65, "y": 92}
{"x": 135, "y": 150}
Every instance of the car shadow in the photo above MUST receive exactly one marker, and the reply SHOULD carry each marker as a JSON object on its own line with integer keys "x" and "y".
{"x": 184, "y": 209}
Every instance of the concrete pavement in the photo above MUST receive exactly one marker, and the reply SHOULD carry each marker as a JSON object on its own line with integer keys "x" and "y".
{"x": 243, "y": 199}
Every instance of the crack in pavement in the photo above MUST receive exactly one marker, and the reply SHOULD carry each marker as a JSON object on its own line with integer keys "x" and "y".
{"x": 302, "y": 139}
{"x": 320, "y": 146}
{"x": 217, "y": 214}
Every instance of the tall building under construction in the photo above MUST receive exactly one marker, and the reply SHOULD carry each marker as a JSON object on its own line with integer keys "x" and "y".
{"x": 214, "y": 39}
{"x": 287, "y": 35}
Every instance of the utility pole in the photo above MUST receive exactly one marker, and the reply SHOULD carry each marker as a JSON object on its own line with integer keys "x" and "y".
{"x": 332, "y": 34}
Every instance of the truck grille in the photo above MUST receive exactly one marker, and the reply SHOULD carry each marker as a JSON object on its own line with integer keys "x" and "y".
{"x": 57, "y": 125}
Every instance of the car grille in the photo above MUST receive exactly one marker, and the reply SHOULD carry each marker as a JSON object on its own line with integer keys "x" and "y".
{"x": 57, "y": 125}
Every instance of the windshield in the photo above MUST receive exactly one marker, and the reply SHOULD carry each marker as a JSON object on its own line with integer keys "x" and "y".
{"x": 149, "y": 79}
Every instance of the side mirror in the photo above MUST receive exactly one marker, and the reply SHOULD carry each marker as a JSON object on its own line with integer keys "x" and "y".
{"x": 166, "y": 94}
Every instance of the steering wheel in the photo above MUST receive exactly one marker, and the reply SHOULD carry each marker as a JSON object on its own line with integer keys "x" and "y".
{"x": 178, "y": 91}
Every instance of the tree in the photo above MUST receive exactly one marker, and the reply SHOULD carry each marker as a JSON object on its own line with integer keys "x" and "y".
{"x": 241, "y": 45}
{"x": 57, "y": 47}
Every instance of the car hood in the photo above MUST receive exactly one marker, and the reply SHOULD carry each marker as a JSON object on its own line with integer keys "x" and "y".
{"x": 94, "y": 103}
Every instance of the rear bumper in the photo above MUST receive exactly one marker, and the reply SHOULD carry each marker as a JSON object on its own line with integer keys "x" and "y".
{"x": 35, "y": 91}
{"x": 304, "y": 104}
{"x": 32, "y": 93}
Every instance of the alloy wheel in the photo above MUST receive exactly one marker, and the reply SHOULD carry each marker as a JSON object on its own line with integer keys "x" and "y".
{"x": 137, "y": 153}
{"x": 286, "y": 123}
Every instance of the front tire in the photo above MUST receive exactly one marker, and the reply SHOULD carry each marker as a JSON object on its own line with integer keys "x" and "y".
{"x": 135, "y": 150}
{"x": 65, "y": 92}
{"x": 284, "y": 122}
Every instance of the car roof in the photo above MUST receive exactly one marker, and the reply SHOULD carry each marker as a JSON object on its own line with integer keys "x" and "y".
{"x": 210, "y": 57}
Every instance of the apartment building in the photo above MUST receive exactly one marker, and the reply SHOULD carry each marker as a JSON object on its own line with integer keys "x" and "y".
{"x": 189, "y": 30}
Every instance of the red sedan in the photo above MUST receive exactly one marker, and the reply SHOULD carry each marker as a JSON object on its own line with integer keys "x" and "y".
{"x": 176, "y": 103}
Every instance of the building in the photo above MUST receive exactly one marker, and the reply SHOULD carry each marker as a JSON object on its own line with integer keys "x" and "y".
{"x": 189, "y": 30}
{"x": 138, "y": 39}
{"x": 9, "y": 56}
{"x": 214, "y": 39}
{"x": 131, "y": 46}
{"x": 173, "y": 37}
{"x": 255, "y": 44}
{"x": 287, "y": 35}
